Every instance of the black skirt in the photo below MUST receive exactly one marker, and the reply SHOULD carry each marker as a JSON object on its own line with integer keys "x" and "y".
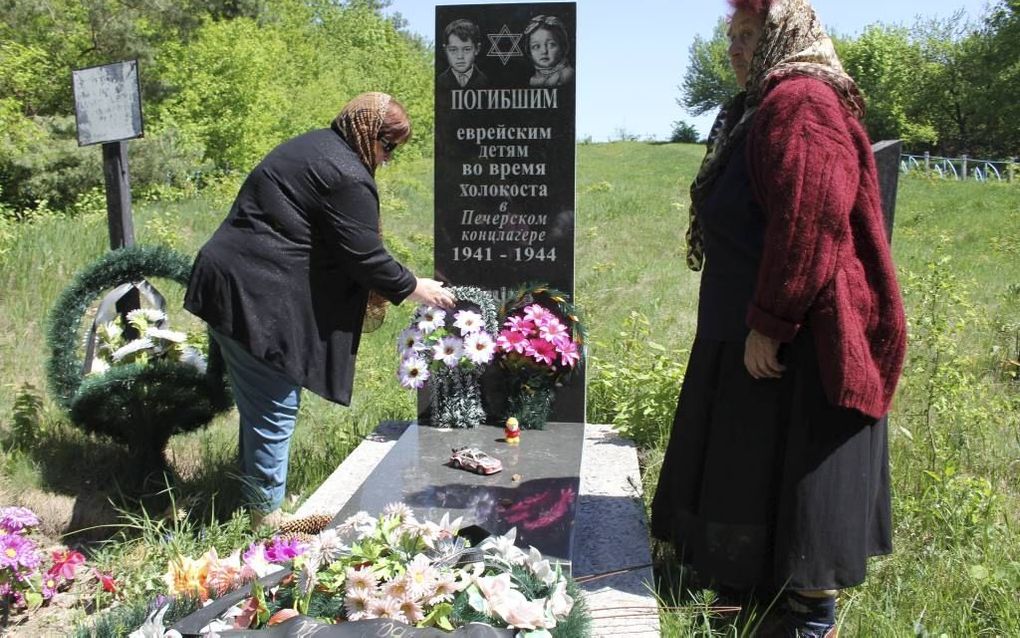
{"x": 765, "y": 485}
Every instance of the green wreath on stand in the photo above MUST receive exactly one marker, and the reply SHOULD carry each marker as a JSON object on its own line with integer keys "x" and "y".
{"x": 139, "y": 404}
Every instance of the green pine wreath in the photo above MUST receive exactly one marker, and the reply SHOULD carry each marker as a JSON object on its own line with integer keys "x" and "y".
{"x": 138, "y": 404}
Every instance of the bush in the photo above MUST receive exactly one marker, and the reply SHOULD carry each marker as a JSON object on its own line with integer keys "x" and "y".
{"x": 635, "y": 384}
{"x": 684, "y": 133}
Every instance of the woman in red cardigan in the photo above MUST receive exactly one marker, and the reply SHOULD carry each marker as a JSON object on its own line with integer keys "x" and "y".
{"x": 776, "y": 477}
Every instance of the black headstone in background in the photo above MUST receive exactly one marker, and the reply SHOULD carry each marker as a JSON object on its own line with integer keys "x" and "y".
{"x": 504, "y": 154}
{"x": 887, "y": 162}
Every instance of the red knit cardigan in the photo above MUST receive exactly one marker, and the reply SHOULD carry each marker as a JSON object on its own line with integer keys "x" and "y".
{"x": 826, "y": 263}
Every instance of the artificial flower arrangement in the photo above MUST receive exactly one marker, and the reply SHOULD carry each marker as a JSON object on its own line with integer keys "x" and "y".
{"x": 540, "y": 345}
{"x": 392, "y": 567}
{"x": 449, "y": 352}
{"x": 142, "y": 336}
{"x": 23, "y": 584}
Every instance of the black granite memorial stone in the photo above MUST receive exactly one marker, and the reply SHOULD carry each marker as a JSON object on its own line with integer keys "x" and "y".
{"x": 504, "y": 153}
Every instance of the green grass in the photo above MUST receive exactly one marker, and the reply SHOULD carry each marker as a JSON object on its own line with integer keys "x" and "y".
{"x": 955, "y": 445}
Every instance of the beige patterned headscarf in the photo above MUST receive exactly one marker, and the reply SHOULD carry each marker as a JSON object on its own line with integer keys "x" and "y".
{"x": 793, "y": 42}
{"x": 359, "y": 123}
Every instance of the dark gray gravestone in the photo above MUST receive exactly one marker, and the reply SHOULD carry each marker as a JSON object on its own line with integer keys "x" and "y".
{"x": 887, "y": 162}
{"x": 536, "y": 492}
{"x": 504, "y": 155}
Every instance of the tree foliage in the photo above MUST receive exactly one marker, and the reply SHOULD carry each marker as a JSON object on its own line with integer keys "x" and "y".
{"x": 223, "y": 81}
{"x": 946, "y": 85}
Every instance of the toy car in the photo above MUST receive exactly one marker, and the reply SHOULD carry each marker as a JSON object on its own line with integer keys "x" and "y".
{"x": 474, "y": 460}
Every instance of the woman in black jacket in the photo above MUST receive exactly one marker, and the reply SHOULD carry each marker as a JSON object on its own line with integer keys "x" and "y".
{"x": 286, "y": 281}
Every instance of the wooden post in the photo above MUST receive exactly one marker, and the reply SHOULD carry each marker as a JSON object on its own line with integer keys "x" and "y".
{"x": 887, "y": 164}
{"x": 927, "y": 162}
{"x": 964, "y": 167}
{"x": 118, "y": 195}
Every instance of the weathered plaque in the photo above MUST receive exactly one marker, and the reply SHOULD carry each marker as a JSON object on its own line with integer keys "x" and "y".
{"x": 504, "y": 152}
{"x": 107, "y": 103}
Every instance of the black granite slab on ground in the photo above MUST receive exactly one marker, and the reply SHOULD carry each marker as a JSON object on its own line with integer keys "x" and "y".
{"x": 536, "y": 492}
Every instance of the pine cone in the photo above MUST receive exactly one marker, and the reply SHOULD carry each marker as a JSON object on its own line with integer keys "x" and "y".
{"x": 287, "y": 537}
{"x": 307, "y": 525}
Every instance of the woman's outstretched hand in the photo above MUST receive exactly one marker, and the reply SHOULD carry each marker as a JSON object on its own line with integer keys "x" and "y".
{"x": 431, "y": 292}
{"x": 761, "y": 356}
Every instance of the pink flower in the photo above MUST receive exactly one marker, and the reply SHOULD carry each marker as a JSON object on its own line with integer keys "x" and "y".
{"x": 106, "y": 580}
{"x": 65, "y": 562}
{"x": 552, "y": 330}
{"x": 512, "y": 341}
{"x": 536, "y": 313}
{"x": 518, "y": 324}
{"x": 50, "y": 585}
{"x": 569, "y": 353}
{"x": 282, "y": 551}
{"x": 542, "y": 351}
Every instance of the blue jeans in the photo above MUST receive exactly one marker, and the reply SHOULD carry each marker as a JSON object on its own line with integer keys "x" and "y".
{"x": 267, "y": 401}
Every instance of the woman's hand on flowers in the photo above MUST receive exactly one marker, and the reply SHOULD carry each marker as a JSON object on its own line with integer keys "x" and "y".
{"x": 432, "y": 293}
{"x": 761, "y": 356}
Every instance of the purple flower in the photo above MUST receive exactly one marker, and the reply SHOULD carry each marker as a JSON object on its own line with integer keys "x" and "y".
{"x": 15, "y": 519}
{"x": 17, "y": 551}
{"x": 282, "y": 551}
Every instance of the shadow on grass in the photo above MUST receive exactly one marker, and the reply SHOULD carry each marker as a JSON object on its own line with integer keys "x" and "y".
{"x": 87, "y": 484}
{"x": 692, "y": 606}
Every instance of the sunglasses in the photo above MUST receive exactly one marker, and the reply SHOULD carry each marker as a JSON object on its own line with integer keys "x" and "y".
{"x": 387, "y": 145}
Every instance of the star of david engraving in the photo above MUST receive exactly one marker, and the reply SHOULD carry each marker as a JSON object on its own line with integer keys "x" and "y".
{"x": 511, "y": 40}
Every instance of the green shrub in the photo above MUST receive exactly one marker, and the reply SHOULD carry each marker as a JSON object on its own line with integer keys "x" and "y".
{"x": 635, "y": 383}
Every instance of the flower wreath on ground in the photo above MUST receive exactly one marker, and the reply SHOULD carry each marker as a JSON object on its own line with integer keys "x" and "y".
{"x": 450, "y": 353}
{"x": 146, "y": 382}
{"x": 393, "y": 567}
{"x": 540, "y": 346}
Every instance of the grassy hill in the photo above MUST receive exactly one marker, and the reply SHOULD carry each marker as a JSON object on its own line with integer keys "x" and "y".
{"x": 954, "y": 434}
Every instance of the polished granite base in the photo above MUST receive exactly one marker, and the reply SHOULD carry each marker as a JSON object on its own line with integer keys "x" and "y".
{"x": 536, "y": 492}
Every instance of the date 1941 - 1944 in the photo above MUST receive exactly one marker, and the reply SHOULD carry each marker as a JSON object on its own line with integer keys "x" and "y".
{"x": 527, "y": 253}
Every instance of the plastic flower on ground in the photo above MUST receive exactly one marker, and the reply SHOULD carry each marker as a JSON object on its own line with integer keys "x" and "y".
{"x": 467, "y": 321}
{"x": 449, "y": 350}
{"x": 153, "y": 626}
{"x": 356, "y": 603}
{"x": 421, "y": 577}
{"x": 540, "y": 567}
{"x": 142, "y": 318}
{"x": 184, "y": 576}
{"x": 361, "y": 579}
{"x": 431, "y": 319}
{"x": 503, "y": 547}
{"x": 16, "y": 519}
{"x": 479, "y": 347}
{"x": 109, "y": 584}
{"x": 65, "y": 562}
{"x": 520, "y": 325}
{"x": 165, "y": 335}
{"x": 569, "y": 353}
{"x": 414, "y": 372}
{"x": 284, "y": 550}
{"x": 18, "y": 552}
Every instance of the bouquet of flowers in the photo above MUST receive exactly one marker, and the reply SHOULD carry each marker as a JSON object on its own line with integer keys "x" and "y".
{"x": 140, "y": 337}
{"x": 449, "y": 353}
{"x": 540, "y": 345}
{"x": 419, "y": 573}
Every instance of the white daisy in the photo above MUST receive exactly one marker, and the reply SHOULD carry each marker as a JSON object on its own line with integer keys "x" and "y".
{"x": 356, "y": 603}
{"x": 411, "y": 339}
{"x": 414, "y": 372}
{"x": 148, "y": 315}
{"x": 421, "y": 577}
{"x": 401, "y": 511}
{"x": 361, "y": 579}
{"x": 396, "y": 588}
{"x": 431, "y": 319}
{"x": 467, "y": 321}
{"x": 412, "y": 610}
{"x": 479, "y": 347}
{"x": 99, "y": 366}
{"x": 449, "y": 350}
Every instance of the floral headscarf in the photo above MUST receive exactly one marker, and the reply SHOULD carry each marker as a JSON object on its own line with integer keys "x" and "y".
{"x": 793, "y": 42}
{"x": 360, "y": 123}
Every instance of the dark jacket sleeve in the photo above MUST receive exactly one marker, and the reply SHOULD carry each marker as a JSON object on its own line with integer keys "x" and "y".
{"x": 804, "y": 171}
{"x": 352, "y": 225}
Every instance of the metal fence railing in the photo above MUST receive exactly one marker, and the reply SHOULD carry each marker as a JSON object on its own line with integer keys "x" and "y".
{"x": 961, "y": 168}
